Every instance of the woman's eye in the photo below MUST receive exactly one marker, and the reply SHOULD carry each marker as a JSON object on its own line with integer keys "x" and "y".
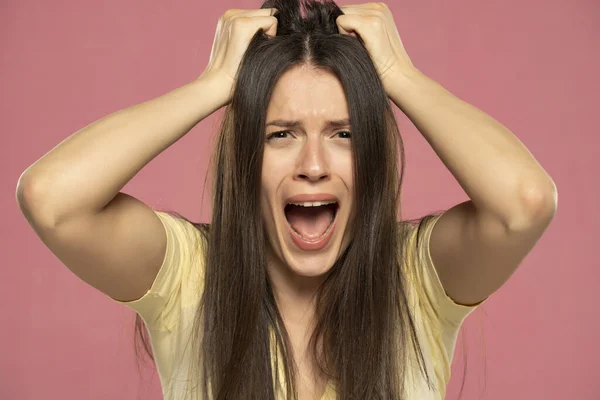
{"x": 278, "y": 135}
{"x": 286, "y": 134}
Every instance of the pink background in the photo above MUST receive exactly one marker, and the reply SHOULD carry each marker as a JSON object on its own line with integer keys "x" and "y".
{"x": 533, "y": 65}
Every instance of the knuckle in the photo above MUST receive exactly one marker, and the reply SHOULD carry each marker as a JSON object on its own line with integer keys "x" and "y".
{"x": 239, "y": 24}
{"x": 230, "y": 13}
{"x": 374, "y": 20}
{"x": 240, "y": 21}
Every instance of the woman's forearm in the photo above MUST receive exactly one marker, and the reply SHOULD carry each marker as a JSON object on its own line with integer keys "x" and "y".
{"x": 491, "y": 164}
{"x": 84, "y": 172}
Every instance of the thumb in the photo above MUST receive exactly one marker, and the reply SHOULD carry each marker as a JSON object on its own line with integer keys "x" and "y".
{"x": 345, "y": 25}
{"x": 270, "y": 25}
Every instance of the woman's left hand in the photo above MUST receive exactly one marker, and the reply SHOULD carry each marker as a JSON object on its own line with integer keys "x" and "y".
{"x": 374, "y": 23}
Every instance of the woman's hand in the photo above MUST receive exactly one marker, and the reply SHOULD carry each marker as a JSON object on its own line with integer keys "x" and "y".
{"x": 234, "y": 31}
{"x": 374, "y": 23}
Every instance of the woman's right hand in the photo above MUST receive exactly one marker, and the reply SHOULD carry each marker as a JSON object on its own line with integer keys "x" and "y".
{"x": 234, "y": 31}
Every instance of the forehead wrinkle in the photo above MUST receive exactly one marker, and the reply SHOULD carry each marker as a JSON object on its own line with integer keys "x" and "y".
{"x": 291, "y": 110}
{"x": 294, "y": 99}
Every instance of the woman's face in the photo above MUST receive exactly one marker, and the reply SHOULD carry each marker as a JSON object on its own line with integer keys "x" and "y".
{"x": 307, "y": 177}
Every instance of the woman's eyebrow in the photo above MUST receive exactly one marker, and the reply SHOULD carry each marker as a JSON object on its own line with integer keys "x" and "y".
{"x": 337, "y": 123}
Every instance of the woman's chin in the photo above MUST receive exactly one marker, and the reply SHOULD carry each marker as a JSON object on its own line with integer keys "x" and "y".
{"x": 310, "y": 265}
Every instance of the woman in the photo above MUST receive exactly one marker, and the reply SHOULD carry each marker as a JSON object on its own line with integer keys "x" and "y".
{"x": 304, "y": 285}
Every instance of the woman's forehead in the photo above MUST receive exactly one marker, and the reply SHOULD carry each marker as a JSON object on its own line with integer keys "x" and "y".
{"x": 305, "y": 94}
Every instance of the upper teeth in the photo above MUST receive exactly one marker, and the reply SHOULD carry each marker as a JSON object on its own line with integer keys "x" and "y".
{"x": 313, "y": 203}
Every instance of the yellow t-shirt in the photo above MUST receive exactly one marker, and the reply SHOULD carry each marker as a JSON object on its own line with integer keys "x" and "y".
{"x": 169, "y": 307}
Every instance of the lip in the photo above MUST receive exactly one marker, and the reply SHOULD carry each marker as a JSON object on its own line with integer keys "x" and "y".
{"x": 311, "y": 197}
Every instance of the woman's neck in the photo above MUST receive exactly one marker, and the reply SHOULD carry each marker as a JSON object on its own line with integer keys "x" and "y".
{"x": 295, "y": 294}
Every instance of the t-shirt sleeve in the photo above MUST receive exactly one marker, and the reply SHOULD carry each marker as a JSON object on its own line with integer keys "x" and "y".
{"x": 439, "y": 314}
{"x": 160, "y": 307}
{"x": 431, "y": 291}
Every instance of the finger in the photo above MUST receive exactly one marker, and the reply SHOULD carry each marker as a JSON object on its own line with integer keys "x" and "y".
{"x": 366, "y": 17}
{"x": 364, "y": 6}
{"x": 349, "y": 23}
{"x": 261, "y": 12}
{"x": 361, "y": 11}
{"x": 345, "y": 32}
{"x": 267, "y": 24}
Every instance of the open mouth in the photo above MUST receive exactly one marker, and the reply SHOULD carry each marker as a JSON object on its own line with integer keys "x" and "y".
{"x": 311, "y": 221}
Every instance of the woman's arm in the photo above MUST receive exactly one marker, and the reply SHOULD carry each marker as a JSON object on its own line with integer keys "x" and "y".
{"x": 71, "y": 196}
{"x": 84, "y": 172}
{"x": 478, "y": 244}
{"x": 494, "y": 168}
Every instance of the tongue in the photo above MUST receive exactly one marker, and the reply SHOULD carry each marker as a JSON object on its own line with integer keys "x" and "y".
{"x": 309, "y": 222}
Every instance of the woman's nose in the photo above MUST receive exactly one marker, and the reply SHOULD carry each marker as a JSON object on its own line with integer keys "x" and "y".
{"x": 312, "y": 164}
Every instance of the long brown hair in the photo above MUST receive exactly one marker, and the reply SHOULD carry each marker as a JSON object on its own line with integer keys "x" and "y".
{"x": 364, "y": 327}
